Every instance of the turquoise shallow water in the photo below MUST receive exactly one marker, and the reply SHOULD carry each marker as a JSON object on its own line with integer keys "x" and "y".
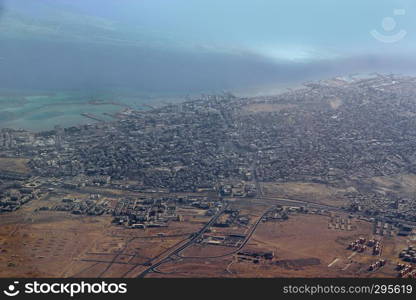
{"x": 37, "y": 111}
{"x": 44, "y": 111}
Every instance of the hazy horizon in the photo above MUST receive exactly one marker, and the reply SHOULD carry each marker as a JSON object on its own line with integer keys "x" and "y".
{"x": 181, "y": 47}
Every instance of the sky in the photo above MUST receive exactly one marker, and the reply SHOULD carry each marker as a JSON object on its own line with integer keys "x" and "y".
{"x": 178, "y": 46}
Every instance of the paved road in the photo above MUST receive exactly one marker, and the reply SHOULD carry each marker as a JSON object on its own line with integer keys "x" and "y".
{"x": 246, "y": 239}
{"x": 296, "y": 202}
{"x": 177, "y": 250}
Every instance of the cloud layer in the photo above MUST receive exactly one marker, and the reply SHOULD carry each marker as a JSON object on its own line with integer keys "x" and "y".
{"x": 174, "y": 46}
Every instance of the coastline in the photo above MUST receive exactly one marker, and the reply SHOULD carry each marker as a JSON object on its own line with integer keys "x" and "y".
{"x": 43, "y": 110}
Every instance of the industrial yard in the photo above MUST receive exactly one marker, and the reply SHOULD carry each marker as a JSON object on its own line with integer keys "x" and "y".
{"x": 275, "y": 240}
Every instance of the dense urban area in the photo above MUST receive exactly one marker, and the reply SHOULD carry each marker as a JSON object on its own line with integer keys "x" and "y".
{"x": 197, "y": 180}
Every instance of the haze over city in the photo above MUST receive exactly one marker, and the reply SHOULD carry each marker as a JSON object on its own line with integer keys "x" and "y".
{"x": 185, "y": 46}
{"x": 213, "y": 139}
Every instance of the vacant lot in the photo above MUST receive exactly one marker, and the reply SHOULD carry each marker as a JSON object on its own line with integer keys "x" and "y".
{"x": 18, "y": 165}
{"x": 310, "y": 192}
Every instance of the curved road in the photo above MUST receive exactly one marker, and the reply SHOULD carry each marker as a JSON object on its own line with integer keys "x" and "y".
{"x": 176, "y": 251}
